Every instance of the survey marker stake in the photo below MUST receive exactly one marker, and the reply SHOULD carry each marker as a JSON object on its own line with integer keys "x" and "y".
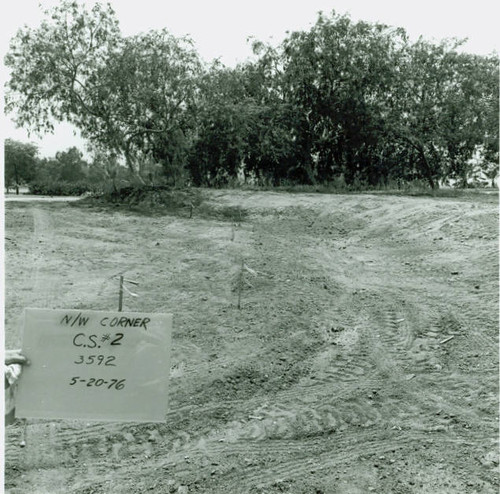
{"x": 122, "y": 288}
{"x": 240, "y": 282}
{"x": 120, "y": 295}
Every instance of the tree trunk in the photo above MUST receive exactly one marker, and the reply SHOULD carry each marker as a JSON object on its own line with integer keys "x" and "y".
{"x": 130, "y": 165}
{"x": 419, "y": 148}
{"x": 129, "y": 162}
{"x": 310, "y": 173}
{"x": 463, "y": 179}
{"x": 428, "y": 170}
{"x": 16, "y": 175}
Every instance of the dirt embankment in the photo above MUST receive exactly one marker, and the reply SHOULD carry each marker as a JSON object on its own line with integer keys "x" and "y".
{"x": 364, "y": 357}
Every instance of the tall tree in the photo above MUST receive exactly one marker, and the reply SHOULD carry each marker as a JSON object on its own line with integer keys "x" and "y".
{"x": 150, "y": 88}
{"x": 21, "y": 161}
{"x": 443, "y": 108}
{"x": 72, "y": 166}
{"x": 130, "y": 95}
{"x": 224, "y": 115}
{"x": 469, "y": 120}
{"x": 337, "y": 75}
{"x": 272, "y": 146}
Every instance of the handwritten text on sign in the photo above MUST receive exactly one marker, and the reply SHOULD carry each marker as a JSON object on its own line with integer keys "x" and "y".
{"x": 95, "y": 365}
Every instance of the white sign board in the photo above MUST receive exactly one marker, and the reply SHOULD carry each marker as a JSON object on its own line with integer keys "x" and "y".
{"x": 95, "y": 365}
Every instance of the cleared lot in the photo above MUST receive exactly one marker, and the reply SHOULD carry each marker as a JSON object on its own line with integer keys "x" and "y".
{"x": 338, "y": 373}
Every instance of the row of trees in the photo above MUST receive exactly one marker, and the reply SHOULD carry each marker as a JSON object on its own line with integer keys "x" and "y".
{"x": 24, "y": 166}
{"x": 358, "y": 102}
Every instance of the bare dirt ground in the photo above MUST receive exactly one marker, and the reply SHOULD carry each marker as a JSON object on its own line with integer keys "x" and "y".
{"x": 337, "y": 375}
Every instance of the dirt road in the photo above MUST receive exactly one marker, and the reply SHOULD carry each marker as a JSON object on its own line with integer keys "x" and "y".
{"x": 364, "y": 357}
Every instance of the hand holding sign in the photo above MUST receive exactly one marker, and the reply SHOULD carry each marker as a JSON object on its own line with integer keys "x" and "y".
{"x": 14, "y": 360}
{"x": 15, "y": 357}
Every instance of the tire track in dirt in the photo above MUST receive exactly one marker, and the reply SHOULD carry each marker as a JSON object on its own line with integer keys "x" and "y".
{"x": 346, "y": 371}
{"x": 295, "y": 458}
{"x": 334, "y": 400}
{"x": 23, "y": 297}
{"x": 418, "y": 393}
{"x": 65, "y": 435}
{"x": 299, "y": 468}
{"x": 339, "y": 397}
{"x": 277, "y": 421}
{"x": 45, "y": 290}
{"x": 399, "y": 335}
{"x": 393, "y": 338}
{"x": 450, "y": 408}
{"x": 212, "y": 446}
{"x": 285, "y": 459}
{"x": 433, "y": 390}
{"x": 475, "y": 338}
{"x": 44, "y": 294}
{"x": 403, "y": 335}
{"x": 296, "y": 462}
{"x": 41, "y": 295}
{"x": 340, "y": 390}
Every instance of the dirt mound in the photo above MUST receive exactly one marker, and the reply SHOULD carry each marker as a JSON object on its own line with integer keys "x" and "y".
{"x": 148, "y": 199}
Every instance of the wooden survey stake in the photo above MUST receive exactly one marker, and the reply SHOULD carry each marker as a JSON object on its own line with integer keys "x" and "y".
{"x": 95, "y": 365}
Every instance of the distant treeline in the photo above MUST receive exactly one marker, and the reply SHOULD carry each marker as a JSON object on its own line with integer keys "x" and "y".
{"x": 345, "y": 102}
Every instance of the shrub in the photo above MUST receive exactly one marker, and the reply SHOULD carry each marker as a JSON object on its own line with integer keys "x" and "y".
{"x": 62, "y": 188}
{"x": 148, "y": 197}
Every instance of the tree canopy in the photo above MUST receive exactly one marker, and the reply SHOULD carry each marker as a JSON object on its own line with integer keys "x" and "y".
{"x": 351, "y": 101}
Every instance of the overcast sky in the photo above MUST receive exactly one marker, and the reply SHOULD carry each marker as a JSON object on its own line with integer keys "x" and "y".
{"x": 220, "y": 28}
